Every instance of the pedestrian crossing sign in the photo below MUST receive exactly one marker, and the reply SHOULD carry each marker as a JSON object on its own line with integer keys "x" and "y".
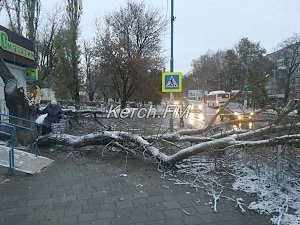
{"x": 172, "y": 82}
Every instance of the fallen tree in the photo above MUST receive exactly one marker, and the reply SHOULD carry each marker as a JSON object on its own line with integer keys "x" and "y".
{"x": 202, "y": 140}
{"x": 245, "y": 139}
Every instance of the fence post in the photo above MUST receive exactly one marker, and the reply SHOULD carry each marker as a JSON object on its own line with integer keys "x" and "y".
{"x": 279, "y": 175}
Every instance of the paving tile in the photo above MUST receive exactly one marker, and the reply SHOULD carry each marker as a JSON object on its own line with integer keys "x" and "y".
{"x": 90, "y": 191}
{"x": 141, "y": 194}
{"x": 156, "y": 222}
{"x": 139, "y": 218}
{"x": 120, "y": 220}
{"x": 48, "y": 221}
{"x": 192, "y": 220}
{"x": 156, "y": 206}
{"x": 172, "y": 213}
{"x": 67, "y": 220}
{"x": 62, "y": 206}
{"x": 171, "y": 205}
{"x": 177, "y": 221}
{"x": 101, "y": 222}
{"x": 85, "y": 217}
{"x": 55, "y": 214}
{"x": 156, "y": 215}
{"x": 73, "y": 211}
{"x": 105, "y": 214}
{"x": 78, "y": 203}
{"x": 12, "y": 220}
{"x": 124, "y": 204}
{"x": 7, "y": 212}
{"x": 68, "y": 198}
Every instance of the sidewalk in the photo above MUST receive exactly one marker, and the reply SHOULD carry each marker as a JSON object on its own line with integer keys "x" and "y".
{"x": 94, "y": 190}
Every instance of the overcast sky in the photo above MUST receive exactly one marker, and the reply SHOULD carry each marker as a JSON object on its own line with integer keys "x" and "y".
{"x": 203, "y": 25}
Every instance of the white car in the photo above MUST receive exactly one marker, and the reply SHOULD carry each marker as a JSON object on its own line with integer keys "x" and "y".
{"x": 236, "y": 111}
{"x": 196, "y": 106}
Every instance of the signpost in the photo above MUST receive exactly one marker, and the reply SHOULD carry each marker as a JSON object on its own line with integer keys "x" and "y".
{"x": 164, "y": 83}
{"x": 14, "y": 48}
{"x": 31, "y": 74}
{"x": 195, "y": 94}
{"x": 171, "y": 82}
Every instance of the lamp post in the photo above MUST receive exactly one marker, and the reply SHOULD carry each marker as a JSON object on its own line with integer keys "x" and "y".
{"x": 172, "y": 44}
{"x": 171, "y": 123}
{"x": 172, "y": 39}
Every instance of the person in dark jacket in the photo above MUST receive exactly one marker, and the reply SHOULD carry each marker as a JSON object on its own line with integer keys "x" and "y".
{"x": 55, "y": 113}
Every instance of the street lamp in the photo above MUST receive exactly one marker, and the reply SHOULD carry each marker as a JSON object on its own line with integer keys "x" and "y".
{"x": 172, "y": 60}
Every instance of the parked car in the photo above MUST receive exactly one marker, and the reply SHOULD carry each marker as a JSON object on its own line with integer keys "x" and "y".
{"x": 237, "y": 111}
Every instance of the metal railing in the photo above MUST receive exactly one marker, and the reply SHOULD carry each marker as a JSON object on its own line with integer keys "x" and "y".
{"x": 12, "y": 128}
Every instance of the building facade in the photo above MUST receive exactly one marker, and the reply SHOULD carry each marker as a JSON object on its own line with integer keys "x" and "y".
{"x": 276, "y": 81}
{"x": 19, "y": 57}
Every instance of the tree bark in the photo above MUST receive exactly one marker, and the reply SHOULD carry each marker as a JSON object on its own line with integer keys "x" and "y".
{"x": 75, "y": 141}
{"x": 233, "y": 141}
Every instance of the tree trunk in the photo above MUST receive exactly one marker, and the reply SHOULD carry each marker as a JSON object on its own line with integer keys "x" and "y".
{"x": 123, "y": 104}
{"x": 75, "y": 142}
{"x": 91, "y": 97}
{"x": 287, "y": 88}
{"x": 107, "y": 137}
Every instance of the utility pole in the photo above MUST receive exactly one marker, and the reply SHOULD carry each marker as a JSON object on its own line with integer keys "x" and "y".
{"x": 246, "y": 86}
{"x": 172, "y": 44}
{"x": 172, "y": 61}
{"x": 172, "y": 39}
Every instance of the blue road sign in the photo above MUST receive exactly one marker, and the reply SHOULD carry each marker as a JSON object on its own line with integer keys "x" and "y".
{"x": 172, "y": 82}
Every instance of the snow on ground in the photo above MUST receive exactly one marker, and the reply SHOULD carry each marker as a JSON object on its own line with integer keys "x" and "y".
{"x": 280, "y": 200}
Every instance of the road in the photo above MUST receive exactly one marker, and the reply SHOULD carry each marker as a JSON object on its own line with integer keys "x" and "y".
{"x": 201, "y": 119}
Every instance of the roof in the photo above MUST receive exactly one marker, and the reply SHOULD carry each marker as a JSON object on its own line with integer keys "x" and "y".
{"x": 18, "y": 44}
{"x": 216, "y": 92}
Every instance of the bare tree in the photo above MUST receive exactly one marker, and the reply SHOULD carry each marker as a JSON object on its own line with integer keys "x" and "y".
{"x": 45, "y": 44}
{"x": 74, "y": 12}
{"x": 209, "y": 71}
{"x": 89, "y": 69}
{"x": 130, "y": 44}
{"x": 23, "y": 14}
{"x": 233, "y": 71}
{"x": 151, "y": 91}
{"x": 290, "y": 55}
{"x": 198, "y": 72}
{"x": 105, "y": 88}
{"x": 31, "y": 14}
{"x": 14, "y": 11}
{"x": 1, "y": 6}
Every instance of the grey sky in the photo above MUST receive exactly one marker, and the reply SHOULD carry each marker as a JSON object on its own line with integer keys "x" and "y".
{"x": 203, "y": 25}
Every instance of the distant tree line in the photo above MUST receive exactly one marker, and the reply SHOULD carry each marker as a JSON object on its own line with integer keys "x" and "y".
{"x": 243, "y": 65}
{"x": 125, "y": 59}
